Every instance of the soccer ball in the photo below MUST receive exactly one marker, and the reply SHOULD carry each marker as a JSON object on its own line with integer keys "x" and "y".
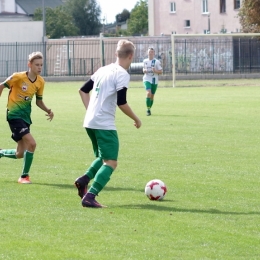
{"x": 155, "y": 190}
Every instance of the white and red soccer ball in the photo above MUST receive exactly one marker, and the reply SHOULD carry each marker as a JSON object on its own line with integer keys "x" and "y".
{"x": 155, "y": 190}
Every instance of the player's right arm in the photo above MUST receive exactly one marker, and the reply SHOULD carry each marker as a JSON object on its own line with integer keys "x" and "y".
{"x": 84, "y": 92}
{"x": 144, "y": 67}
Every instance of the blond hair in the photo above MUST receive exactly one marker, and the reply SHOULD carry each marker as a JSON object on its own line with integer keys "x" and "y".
{"x": 35, "y": 55}
{"x": 124, "y": 48}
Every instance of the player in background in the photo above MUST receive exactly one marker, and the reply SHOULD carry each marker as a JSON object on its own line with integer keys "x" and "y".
{"x": 22, "y": 88}
{"x": 152, "y": 69}
{"x": 109, "y": 86}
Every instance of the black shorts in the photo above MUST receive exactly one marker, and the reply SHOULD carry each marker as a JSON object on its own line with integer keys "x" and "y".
{"x": 19, "y": 128}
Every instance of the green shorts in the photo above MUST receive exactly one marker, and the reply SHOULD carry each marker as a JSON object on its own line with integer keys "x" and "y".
{"x": 152, "y": 87}
{"x": 105, "y": 143}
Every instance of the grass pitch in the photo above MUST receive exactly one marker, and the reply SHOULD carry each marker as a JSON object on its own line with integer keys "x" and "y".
{"x": 203, "y": 142}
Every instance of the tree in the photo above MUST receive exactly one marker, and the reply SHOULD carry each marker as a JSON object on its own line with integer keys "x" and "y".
{"x": 58, "y": 22}
{"x": 249, "y": 16}
{"x": 138, "y": 22}
{"x": 86, "y": 15}
{"x": 123, "y": 17}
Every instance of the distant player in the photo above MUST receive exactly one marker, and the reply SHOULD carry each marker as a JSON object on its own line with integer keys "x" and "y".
{"x": 152, "y": 69}
{"x": 22, "y": 88}
{"x": 108, "y": 87}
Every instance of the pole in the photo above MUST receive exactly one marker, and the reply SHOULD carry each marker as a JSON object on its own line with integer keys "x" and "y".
{"x": 43, "y": 20}
{"x": 208, "y": 23}
{"x": 43, "y": 37}
{"x": 173, "y": 60}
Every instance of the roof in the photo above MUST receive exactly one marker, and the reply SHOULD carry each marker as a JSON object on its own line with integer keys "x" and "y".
{"x": 29, "y": 6}
{"x": 10, "y": 17}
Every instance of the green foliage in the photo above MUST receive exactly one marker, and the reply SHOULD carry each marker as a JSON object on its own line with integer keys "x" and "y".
{"x": 138, "y": 22}
{"x": 249, "y": 16}
{"x": 86, "y": 15}
{"x": 58, "y": 22}
{"x": 123, "y": 17}
{"x": 203, "y": 142}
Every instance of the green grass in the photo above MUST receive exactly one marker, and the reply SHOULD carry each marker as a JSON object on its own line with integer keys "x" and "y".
{"x": 203, "y": 142}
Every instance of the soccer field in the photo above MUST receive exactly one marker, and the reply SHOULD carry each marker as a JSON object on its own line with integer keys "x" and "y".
{"x": 202, "y": 140}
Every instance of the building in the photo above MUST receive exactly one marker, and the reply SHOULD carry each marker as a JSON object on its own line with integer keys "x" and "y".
{"x": 113, "y": 28}
{"x": 24, "y": 8}
{"x": 17, "y": 16}
{"x": 193, "y": 16}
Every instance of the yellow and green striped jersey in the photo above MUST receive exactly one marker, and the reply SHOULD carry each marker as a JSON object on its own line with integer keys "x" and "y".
{"x": 21, "y": 93}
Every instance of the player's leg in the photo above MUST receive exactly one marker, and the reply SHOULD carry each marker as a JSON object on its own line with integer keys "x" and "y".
{"x": 25, "y": 149}
{"x": 8, "y": 153}
{"x": 148, "y": 86}
{"x": 108, "y": 146}
{"x": 153, "y": 90}
{"x": 15, "y": 126}
{"x": 81, "y": 182}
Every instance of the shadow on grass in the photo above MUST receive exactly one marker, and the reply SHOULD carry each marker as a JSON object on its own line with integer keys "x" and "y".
{"x": 69, "y": 186}
{"x": 154, "y": 205}
{"x": 160, "y": 207}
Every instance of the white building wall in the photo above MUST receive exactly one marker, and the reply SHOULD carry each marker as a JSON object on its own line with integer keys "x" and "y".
{"x": 7, "y": 6}
{"x": 21, "y": 32}
{"x": 162, "y": 21}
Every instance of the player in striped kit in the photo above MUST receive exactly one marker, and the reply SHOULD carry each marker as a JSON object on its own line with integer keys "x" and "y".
{"x": 152, "y": 69}
{"x": 108, "y": 87}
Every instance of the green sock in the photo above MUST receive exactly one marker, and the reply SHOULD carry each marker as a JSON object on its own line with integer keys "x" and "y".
{"x": 151, "y": 103}
{"x": 148, "y": 103}
{"x": 101, "y": 179}
{"x": 27, "y": 162}
{"x": 9, "y": 153}
{"x": 94, "y": 167}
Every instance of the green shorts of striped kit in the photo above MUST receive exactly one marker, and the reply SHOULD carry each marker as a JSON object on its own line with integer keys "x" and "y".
{"x": 152, "y": 87}
{"x": 105, "y": 143}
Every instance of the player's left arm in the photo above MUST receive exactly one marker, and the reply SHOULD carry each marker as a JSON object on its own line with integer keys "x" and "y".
{"x": 2, "y": 86}
{"x": 42, "y": 106}
{"x": 158, "y": 68}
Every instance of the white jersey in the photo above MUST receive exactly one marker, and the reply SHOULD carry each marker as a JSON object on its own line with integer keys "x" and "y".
{"x": 103, "y": 101}
{"x": 149, "y": 75}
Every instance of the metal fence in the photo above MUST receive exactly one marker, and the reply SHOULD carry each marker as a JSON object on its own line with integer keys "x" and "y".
{"x": 192, "y": 55}
{"x": 217, "y": 55}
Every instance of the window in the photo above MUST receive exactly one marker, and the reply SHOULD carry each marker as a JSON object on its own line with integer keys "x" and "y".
{"x": 187, "y": 23}
{"x": 172, "y": 7}
{"x": 236, "y": 4}
{"x": 222, "y": 6}
{"x": 205, "y": 6}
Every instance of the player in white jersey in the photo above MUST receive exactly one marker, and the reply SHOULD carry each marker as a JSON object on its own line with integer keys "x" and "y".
{"x": 152, "y": 69}
{"x": 109, "y": 86}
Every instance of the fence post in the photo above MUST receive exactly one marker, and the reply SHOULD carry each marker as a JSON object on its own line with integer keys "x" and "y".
{"x": 239, "y": 56}
{"x": 73, "y": 59}
{"x": 213, "y": 68}
{"x": 6, "y": 62}
{"x": 102, "y": 59}
{"x": 44, "y": 58}
{"x": 185, "y": 58}
{"x": 173, "y": 60}
{"x": 16, "y": 56}
{"x": 68, "y": 57}
{"x": 250, "y": 56}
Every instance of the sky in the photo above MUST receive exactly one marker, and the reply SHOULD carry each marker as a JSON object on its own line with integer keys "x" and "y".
{"x": 110, "y": 8}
